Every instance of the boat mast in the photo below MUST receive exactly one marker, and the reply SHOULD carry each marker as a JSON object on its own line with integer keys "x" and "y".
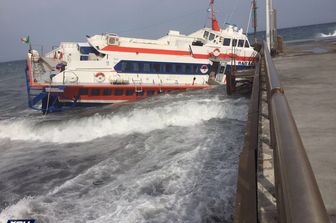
{"x": 215, "y": 26}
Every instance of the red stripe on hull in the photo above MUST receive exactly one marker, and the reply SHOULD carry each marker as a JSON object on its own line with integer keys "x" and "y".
{"x": 146, "y": 50}
{"x": 174, "y": 53}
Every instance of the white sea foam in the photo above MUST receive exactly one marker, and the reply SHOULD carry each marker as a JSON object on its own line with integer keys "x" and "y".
{"x": 21, "y": 210}
{"x": 328, "y": 35}
{"x": 141, "y": 120}
{"x": 196, "y": 182}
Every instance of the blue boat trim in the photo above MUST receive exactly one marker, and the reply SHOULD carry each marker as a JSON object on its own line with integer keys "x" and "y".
{"x": 150, "y": 67}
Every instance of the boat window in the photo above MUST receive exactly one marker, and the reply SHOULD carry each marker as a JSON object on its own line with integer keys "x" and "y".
{"x": 87, "y": 50}
{"x": 212, "y": 36}
{"x": 150, "y": 92}
{"x": 240, "y": 43}
{"x": 107, "y": 91}
{"x": 129, "y": 92}
{"x": 227, "y": 42}
{"x": 234, "y": 42}
{"x": 177, "y": 68}
{"x": 155, "y": 68}
{"x": 84, "y": 57}
{"x": 146, "y": 68}
{"x": 135, "y": 67}
{"x": 247, "y": 45}
{"x": 189, "y": 69}
{"x": 183, "y": 68}
{"x": 126, "y": 67}
{"x": 169, "y": 68}
{"x": 118, "y": 92}
{"x": 206, "y": 34}
{"x": 83, "y": 91}
{"x": 95, "y": 92}
{"x": 180, "y": 68}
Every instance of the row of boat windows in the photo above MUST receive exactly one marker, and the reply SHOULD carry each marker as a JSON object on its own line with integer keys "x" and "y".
{"x": 157, "y": 67}
{"x": 119, "y": 92}
{"x": 227, "y": 41}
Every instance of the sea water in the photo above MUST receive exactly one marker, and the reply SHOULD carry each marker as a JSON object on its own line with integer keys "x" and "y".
{"x": 171, "y": 158}
{"x": 300, "y": 33}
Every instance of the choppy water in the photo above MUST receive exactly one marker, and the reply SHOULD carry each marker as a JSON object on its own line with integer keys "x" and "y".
{"x": 171, "y": 158}
{"x": 304, "y": 32}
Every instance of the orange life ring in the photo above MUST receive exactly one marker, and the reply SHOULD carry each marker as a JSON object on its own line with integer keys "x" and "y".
{"x": 100, "y": 77}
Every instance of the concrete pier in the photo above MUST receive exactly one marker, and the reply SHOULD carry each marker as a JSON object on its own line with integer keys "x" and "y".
{"x": 308, "y": 74}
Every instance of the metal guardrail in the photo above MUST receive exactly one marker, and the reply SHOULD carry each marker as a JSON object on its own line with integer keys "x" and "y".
{"x": 297, "y": 193}
{"x": 246, "y": 197}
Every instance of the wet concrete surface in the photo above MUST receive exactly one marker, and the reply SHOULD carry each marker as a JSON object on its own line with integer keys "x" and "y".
{"x": 307, "y": 72}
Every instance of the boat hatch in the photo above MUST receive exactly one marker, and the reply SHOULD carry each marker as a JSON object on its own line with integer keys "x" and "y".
{"x": 112, "y": 40}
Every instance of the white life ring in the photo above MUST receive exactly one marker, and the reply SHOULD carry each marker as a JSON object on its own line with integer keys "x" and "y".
{"x": 204, "y": 69}
{"x": 100, "y": 77}
{"x": 216, "y": 52}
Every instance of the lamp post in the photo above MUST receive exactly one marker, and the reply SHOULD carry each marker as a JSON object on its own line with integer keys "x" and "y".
{"x": 268, "y": 23}
{"x": 254, "y": 21}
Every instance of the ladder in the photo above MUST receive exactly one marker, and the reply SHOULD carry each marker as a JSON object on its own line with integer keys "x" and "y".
{"x": 137, "y": 85}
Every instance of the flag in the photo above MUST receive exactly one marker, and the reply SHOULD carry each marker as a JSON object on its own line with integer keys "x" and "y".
{"x": 25, "y": 40}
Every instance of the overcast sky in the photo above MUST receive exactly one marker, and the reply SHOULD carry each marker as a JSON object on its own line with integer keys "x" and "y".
{"x": 49, "y": 22}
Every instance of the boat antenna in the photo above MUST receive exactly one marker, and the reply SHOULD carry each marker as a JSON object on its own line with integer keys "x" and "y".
{"x": 215, "y": 26}
{"x": 249, "y": 19}
{"x": 228, "y": 19}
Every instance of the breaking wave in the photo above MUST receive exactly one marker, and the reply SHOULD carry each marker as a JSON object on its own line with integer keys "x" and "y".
{"x": 177, "y": 175}
{"x": 138, "y": 120}
{"x": 328, "y": 35}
